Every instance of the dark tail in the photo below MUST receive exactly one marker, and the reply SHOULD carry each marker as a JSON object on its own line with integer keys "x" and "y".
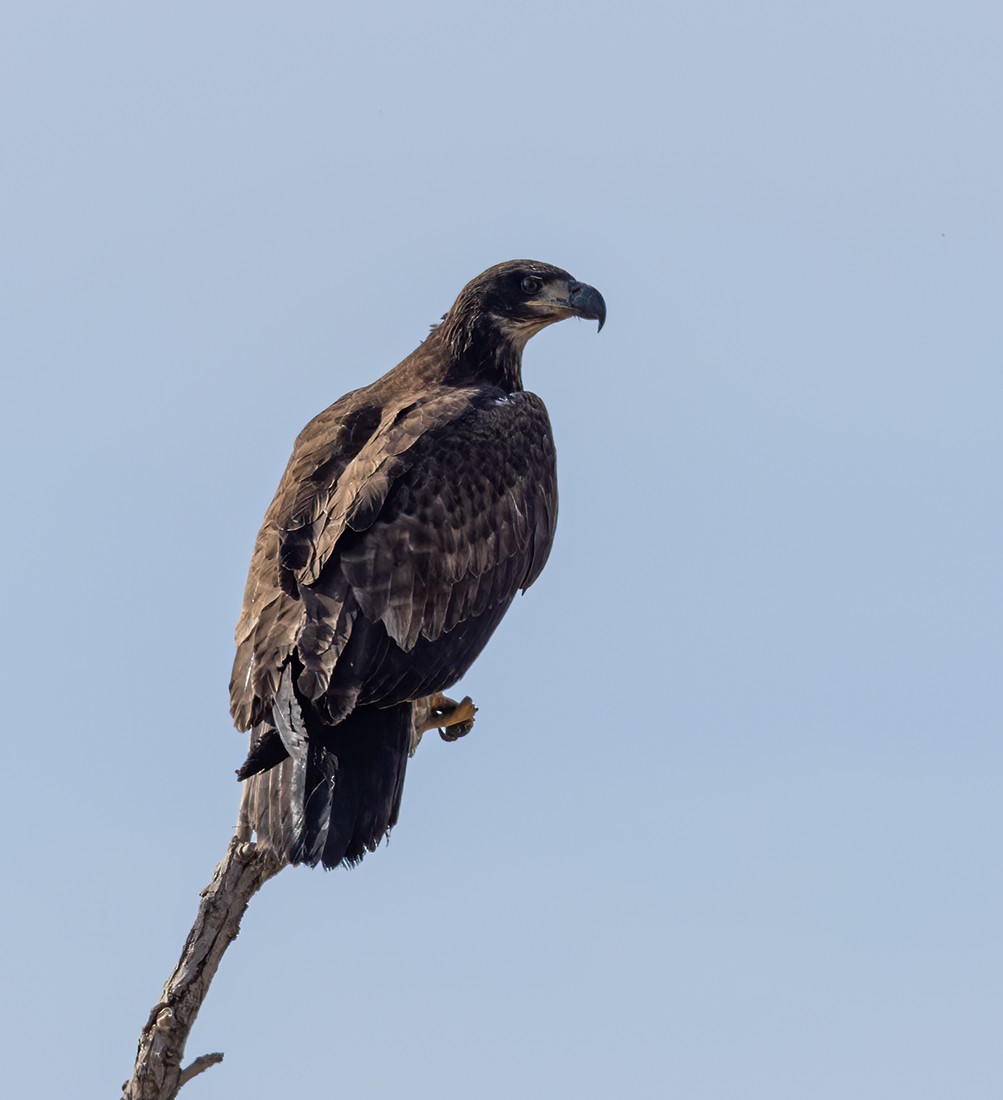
{"x": 328, "y": 794}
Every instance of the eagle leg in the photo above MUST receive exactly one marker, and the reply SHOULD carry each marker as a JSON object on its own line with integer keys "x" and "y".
{"x": 453, "y": 719}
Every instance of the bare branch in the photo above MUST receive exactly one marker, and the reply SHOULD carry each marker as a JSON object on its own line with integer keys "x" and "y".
{"x": 237, "y": 878}
{"x": 200, "y": 1065}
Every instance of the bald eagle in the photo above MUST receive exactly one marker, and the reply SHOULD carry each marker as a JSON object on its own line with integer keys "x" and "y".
{"x": 410, "y": 514}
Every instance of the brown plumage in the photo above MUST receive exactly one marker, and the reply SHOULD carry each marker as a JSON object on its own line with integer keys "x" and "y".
{"x": 410, "y": 514}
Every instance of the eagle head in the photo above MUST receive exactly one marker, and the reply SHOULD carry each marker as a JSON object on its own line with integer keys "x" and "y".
{"x": 523, "y": 296}
{"x": 488, "y": 325}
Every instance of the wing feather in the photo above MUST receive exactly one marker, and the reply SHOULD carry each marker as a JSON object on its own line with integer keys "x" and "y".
{"x": 471, "y": 512}
{"x": 418, "y": 516}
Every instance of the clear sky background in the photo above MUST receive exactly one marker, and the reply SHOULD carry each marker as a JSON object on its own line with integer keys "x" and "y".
{"x": 727, "y": 826}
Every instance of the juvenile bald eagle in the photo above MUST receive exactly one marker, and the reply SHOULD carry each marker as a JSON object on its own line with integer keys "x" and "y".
{"x": 410, "y": 514}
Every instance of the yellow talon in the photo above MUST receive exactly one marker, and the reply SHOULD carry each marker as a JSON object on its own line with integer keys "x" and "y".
{"x": 453, "y": 719}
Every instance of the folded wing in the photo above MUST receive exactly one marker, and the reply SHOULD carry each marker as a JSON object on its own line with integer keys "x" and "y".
{"x": 398, "y": 536}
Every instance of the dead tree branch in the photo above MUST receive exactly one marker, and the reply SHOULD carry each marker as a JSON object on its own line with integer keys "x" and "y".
{"x": 158, "y": 1074}
{"x": 201, "y": 1063}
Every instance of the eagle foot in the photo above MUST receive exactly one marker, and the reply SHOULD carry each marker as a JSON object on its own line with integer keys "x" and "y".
{"x": 453, "y": 719}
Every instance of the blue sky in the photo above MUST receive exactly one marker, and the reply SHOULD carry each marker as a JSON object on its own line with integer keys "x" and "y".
{"x": 728, "y": 823}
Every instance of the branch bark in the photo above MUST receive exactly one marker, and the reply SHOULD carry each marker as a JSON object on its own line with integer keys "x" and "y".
{"x": 238, "y": 877}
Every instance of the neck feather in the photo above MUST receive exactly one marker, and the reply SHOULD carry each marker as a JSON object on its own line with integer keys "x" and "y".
{"x": 479, "y": 348}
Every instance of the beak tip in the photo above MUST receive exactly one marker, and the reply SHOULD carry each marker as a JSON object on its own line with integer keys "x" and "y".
{"x": 588, "y": 302}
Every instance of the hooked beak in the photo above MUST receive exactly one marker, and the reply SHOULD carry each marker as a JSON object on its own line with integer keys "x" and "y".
{"x": 586, "y": 301}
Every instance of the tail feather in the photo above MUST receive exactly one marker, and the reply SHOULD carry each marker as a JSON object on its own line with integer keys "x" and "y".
{"x": 337, "y": 792}
{"x": 313, "y": 815}
{"x": 371, "y": 748}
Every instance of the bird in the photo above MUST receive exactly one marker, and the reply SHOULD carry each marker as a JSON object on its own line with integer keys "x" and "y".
{"x": 410, "y": 514}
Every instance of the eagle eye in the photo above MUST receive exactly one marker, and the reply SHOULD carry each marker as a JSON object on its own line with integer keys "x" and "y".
{"x": 531, "y": 285}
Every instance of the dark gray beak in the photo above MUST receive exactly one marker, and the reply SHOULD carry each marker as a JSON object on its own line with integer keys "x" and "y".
{"x": 586, "y": 301}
